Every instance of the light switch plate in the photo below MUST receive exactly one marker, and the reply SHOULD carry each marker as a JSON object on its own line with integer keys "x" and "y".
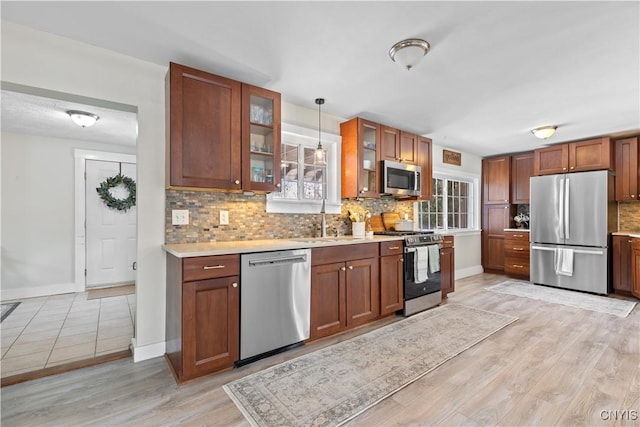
{"x": 179, "y": 216}
{"x": 224, "y": 217}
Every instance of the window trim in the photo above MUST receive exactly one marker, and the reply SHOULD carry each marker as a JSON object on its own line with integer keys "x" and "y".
{"x": 474, "y": 179}
{"x": 292, "y": 134}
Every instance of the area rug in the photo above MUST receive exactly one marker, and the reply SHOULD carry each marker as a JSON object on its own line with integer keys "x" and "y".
{"x": 333, "y": 385}
{"x": 114, "y": 291}
{"x": 601, "y": 304}
{"x": 7, "y": 308}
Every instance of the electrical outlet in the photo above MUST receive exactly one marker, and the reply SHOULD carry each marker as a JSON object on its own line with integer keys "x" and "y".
{"x": 179, "y": 217}
{"x": 224, "y": 217}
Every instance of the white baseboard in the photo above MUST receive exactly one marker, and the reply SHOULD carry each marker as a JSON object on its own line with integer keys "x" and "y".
{"x": 147, "y": 351}
{"x": 469, "y": 271}
{"x": 37, "y": 291}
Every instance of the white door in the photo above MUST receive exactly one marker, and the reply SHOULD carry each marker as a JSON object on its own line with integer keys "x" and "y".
{"x": 110, "y": 233}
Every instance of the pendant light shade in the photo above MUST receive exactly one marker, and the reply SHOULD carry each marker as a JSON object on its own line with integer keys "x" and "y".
{"x": 82, "y": 118}
{"x": 409, "y": 52}
{"x": 320, "y": 157}
{"x": 544, "y": 132}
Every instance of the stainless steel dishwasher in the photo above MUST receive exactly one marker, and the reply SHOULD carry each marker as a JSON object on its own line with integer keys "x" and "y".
{"x": 275, "y": 301}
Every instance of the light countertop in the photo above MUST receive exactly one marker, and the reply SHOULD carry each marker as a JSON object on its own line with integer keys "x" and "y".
{"x": 526, "y": 230}
{"x": 187, "y": 250}
{"x": 634, "y": 234}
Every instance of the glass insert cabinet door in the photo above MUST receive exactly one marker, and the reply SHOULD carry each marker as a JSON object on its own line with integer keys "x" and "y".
{"x": 370, "y": 139}
{"x": 261, "y": 139}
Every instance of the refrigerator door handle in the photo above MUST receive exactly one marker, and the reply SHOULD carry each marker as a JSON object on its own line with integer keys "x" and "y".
{"x": 561, "y": 208}
{"x": 541, "y": 248}
{"x": 566, "y": 208}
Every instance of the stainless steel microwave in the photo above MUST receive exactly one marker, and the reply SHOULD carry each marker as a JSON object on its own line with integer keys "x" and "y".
{"x": 400, "y": 179}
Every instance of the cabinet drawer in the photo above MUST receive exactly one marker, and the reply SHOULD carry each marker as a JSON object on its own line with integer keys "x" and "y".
{"x": 516, "y": 248}
{"x": 517, "y": 235}
{"x": 516, "y": 266}
{"x": 391, "y": 248}
{"x": 210, "y": 267}
{"x": 447, "y": 241}
{"x": 330, "y": 254}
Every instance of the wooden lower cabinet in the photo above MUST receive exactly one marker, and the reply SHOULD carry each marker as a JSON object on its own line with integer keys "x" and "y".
{"x": 391, "y": 277}
{"x": 622, "y": 264}
{"x": 345, "y": 288}
{"x": 516, "y": 254}
{"x": 203, "y": 314}
{"x": 447, "y": 266}
{"x": 635, "y": 267}
{"x": 495, "y": 218}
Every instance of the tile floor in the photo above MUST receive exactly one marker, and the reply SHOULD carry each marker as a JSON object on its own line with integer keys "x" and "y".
{"x": 47, "y": 331}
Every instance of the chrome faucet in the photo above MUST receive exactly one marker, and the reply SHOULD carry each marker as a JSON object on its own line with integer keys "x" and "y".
{"x": 323, "y": 224}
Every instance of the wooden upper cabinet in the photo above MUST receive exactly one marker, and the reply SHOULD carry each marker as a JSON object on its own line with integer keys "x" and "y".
{"x": 594, "y": 154}
{"x": 408, "y": 148}
{"x": 425, "y": 161}
{"x": 260, "y": 139}
{"x": 389, "y": 144}
{"x": 360, "y": 158}
{"x": 626, "y": 155}
{"x": 496, "y": 172}
{"x": 204, "y": 129}
{"x": 580, "y": 156}
{"x": 521, "y": 171}
{"x": 551, "y": 160}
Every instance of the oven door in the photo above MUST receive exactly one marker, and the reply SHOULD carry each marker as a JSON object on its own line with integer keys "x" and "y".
{"x": 413, "y": 260}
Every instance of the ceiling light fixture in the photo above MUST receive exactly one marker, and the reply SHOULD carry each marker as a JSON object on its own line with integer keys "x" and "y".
{"x": 544, "y": 132}
{"x": 409, "y": 52}
{"x": 82, "y": 118}
{"x": 320, "y": 157}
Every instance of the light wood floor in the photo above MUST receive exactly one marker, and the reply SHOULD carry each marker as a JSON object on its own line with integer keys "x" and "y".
{"x": 556, "y": 365}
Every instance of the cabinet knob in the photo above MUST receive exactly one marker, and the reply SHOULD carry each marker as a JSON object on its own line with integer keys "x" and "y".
{"x": 572, "y": 167}
{"x": 629, "y": 241}
{"x": 401, "y": 260}
{"x": 506, "y": 207}
{"x": 343, "y": 268}
{"x": 237, "y": 181}
{"x": 633, "y": 195}
{"x": 351, "y": 267}
{"x": 234, "y": 284}
{"x": 505, "y": 200}
{"x": 278, "y": 185}
{"x": 564, "y": 169}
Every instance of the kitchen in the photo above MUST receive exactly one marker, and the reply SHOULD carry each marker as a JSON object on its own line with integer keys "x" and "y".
{"x": 147, "y": 94}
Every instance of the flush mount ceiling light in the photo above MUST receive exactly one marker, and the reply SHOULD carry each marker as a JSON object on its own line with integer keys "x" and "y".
{"x": 320, "y": 157}
{"x": 544, "y": 132}
{"x": 82, "y": 118}
{"x": 409, "y": 52}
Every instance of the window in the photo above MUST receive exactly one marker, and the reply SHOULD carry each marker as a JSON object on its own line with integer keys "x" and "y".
{"x": 304, "y": 184}
{"x": 451, "y": 206}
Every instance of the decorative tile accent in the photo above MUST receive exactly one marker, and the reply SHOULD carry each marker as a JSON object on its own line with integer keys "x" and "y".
{"x": 249, "y": 220}
{"x": 629, "y": 217}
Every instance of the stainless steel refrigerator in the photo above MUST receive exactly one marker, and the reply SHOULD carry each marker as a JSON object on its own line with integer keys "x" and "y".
{"x": 571, "y": 218}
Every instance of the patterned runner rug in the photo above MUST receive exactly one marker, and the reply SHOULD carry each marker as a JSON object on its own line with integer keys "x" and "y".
{"x": 601, "y": 304}
{"x": 331, "y": 386}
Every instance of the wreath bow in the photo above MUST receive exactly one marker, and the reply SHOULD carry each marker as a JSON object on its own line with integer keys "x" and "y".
{"x": 112, "y": 182}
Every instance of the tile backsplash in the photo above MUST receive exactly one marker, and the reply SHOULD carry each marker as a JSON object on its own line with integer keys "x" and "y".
{"x": 629, "y": 216}
{"x": 248, "y": 219}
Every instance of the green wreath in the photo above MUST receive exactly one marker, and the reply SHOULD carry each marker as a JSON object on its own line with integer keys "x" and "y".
{"x": 108, "y": 199}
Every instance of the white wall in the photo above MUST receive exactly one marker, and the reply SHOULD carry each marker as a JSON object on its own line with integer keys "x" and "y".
{"x": 468, "y": 244}
{"x": 38, "y": 213}
{"x": 43, "y": 60}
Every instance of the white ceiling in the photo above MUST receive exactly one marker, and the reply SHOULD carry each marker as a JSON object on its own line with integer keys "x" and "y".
{"x": 495, "y": 70}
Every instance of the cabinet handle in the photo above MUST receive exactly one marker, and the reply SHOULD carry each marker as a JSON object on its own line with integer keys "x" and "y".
{"x": 629, "y": 241}
{"x": 517, "y": 266}
{"x": 234, "y": 284}
{"x": 351, "y": 267}
{"x": 237, "y": 181}
{"x": 518, "y": 249}
{"x": 343, "y": 268}
{"x": 392, "y": 248}
{"x": 518, "y": 235}
{"x": 213, "y": 267}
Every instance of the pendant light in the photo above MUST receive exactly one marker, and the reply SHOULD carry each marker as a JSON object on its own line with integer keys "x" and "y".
{"x": 320, "y": 155}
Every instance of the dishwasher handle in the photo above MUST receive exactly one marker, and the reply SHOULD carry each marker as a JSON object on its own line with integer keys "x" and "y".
{"x": 277, "y": 261}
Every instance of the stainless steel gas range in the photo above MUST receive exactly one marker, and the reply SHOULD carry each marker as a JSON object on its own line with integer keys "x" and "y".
{"x": 422, "y": 283}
